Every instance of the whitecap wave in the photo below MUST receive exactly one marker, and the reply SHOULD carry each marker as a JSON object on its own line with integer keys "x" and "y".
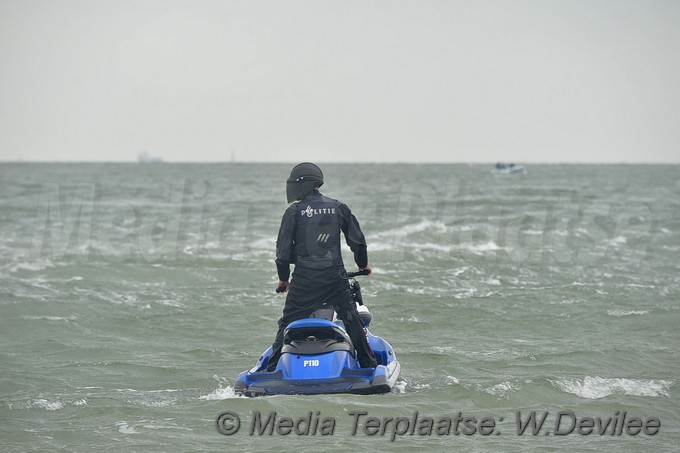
{"x": 124, "y": 428}
{"x": 619, "y": 313}
{"x": 48, "y": 405}
{"x": 220, "y": 394}
{"x": 480, "y": 249}
{"x": 400, "y": 386}
{"x": 410, "y": 319}
{"x": 37, "y": 265}
{"x": 460, "y": 270}
{"x": 502, "y": 389}
{"x": 423, "y": 225}
{"x": 619, "y": 240}
{"x": 154, "y": 402}
{"x": 49, "y": 318}
{"x": 451, "y": 380}
{"x": 382, "y": 246}
{"x": 598, "y": 387}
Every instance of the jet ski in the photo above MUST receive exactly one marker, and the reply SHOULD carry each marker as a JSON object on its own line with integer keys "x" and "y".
{"x": 318, "y": 357}
{"x": 508, "y": 169}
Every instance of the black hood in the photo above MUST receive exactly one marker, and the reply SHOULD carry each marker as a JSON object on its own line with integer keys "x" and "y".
{"x": 304, "y": 178}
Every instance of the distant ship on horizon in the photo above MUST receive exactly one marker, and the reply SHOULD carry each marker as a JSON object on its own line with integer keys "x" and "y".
{"x": 146, "y": 158}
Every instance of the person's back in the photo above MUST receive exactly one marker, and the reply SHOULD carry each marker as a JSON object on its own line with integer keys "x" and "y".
{"x": 316, "y": 237}
{"x": 309, "y": 238}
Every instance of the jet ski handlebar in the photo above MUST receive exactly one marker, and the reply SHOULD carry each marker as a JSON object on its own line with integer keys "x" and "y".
{"x": 356, "y": 274}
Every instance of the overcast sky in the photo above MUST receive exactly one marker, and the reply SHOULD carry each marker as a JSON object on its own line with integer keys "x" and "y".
{"x": 382, "y": 81}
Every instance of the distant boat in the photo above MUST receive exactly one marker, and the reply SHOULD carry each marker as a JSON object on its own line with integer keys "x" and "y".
{"x": 145, "y": 158}
{"x": 507, "y": 169}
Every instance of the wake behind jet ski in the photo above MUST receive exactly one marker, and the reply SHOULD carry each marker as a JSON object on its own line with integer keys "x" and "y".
{"x": 318, "y": 357}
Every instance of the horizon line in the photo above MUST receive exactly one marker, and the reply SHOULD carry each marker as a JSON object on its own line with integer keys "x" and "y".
{"x": 236, "y": 162}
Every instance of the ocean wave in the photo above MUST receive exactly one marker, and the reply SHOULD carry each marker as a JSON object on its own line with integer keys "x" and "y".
{"x": 451, "y": 380}
{"x": 223, "y": 392}
{"x": 407, "y": 320}
{"x": 475, "y": 248}
{"x": 423, "y": 225}
{"x": 619, "y": 240}
{"x": 400, "y": 386}
{"x": 48, "y": 405}
{"x": 619, "y": 313}
{"x": 45, "y": 404}
{"x": 34, "y": 266}
{"x": 49, "y": 318}
{"x": 598, "y": 387}
{"x": 149, "y": 398}
{"x": 480, "y": 249}
{"x": 124, "y": 428}
{"x": 153, "y": 402}
{"x": 460, "y": 270}
{"x": 145, "y": 424}
{"x": 220, "y": 394}
{"x": 502, "y": 389}
{"x": 382, "y": 246}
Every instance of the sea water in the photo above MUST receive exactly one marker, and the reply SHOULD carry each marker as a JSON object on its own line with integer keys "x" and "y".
{"x": 132, "y": 295}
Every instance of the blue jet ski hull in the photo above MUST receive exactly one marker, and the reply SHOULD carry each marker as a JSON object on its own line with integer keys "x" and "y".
{"x": 317, "y": 358}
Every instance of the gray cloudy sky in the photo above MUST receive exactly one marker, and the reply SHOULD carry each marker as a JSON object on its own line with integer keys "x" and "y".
{"x": 380, "y": 80}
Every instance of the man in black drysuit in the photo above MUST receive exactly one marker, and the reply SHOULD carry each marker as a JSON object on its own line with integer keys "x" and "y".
{"x": 309, "y": 237}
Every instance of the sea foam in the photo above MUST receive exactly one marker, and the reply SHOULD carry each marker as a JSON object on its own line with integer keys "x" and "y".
{"x": 598, "y": 387}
